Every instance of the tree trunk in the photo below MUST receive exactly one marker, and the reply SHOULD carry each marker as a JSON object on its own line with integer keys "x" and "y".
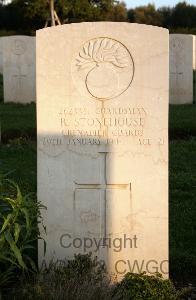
{"x": 52, "y": 12}
{"x": 57, "y": 18}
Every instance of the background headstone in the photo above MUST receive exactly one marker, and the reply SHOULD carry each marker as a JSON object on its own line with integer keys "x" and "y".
{"x": 181, "y": 68}
{"x": 1, "y": 55}
{"x": 194, "y": 74}
{"x": 19, "y": 69}
{"x": 102, "y": 113}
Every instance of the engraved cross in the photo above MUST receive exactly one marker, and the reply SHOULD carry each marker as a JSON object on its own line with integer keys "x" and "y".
{"x": 104, "y": 185}
{"x": 19, "y": 78}
{"x": 177, "y": 76}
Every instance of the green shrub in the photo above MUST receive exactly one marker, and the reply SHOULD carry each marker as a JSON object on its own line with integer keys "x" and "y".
{"x": 82, "y": 266}
{"x": 18, "y": 231}
{"x": 84, "y": 278}
{"x": 142, "y": 286}
{"x": 77, "y": 279}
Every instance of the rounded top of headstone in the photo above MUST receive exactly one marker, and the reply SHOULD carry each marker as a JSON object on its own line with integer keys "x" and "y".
{"x": 123, "y": 25}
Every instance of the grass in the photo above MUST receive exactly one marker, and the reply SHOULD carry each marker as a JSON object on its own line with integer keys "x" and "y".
{"x": 17, "y": 121}
{"x": 1, "y": 88}
{"x": 182, "y": 121}
{"x": 20, "y": 157}
{"x": 183, "y": 209}
{"x": 194, "y": 85}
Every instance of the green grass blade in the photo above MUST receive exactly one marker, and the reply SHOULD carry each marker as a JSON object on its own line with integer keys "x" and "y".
{"x": 6, "y": 222}
{"x": 16, "y": 232}
{"x": 15, "y": 249}
{"x": 25, "y": 212}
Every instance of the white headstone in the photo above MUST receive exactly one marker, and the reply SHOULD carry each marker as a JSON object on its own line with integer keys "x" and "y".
{"x": 194, "y": 52}
{"x": 1, "y": 55}
{"x": 19, "y": 69}
{"x": 102, "y": 107}
{"x": 181, "y": 68}
{"x": 194, "y": 74}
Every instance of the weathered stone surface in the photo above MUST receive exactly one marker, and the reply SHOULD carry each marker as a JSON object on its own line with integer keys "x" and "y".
{"x": 1, "y": 55}
{"x": 102, "y": 112}
{"x": 181, "y": 68}
{"x": 19, "y": 69}
{"x": 194, "y": 74}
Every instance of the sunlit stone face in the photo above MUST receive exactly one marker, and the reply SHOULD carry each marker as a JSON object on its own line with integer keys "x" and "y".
{"x": 102, "y": 143}
{"x": 103, "y": 67}
{"x": 108, "y": 82}
{"x": 1, "y": 55}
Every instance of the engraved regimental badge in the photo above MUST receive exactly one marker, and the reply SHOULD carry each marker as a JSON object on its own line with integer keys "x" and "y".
{"x": 103, "y": 69}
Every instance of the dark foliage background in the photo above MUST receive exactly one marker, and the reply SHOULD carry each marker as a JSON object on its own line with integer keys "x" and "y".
{"x": 26, "y": 16}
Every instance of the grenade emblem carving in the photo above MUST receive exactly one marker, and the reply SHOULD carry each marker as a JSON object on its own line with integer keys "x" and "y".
{"x": 102, "y": 62}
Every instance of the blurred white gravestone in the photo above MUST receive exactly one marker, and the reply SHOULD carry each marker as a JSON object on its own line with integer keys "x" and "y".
{"x": 102, "y": 111}
{"x": 1, "y": 55}
{"x": 194, "y": 74}
{"x": 181, "y": 68}
{"x": 19, "y": 69}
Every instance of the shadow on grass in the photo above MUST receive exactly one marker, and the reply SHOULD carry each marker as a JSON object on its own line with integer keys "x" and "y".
{"x": 182, "y": 210}
{"x": 182, "y": 122}
{"x": 17, "y": 120}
